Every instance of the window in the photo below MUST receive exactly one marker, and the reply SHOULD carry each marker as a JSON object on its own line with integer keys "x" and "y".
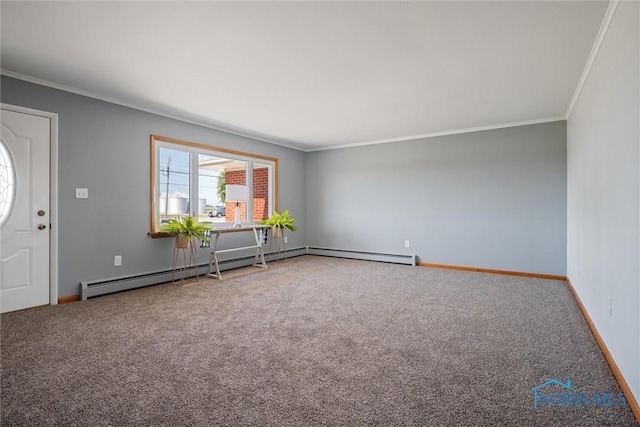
{"x": 6, "y": 183}
{"x": 190, "y": 179}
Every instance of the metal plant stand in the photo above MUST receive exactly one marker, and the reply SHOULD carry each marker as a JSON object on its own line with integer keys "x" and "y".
{"x": 277, "y": 243}
{"x": 184, "y": 258}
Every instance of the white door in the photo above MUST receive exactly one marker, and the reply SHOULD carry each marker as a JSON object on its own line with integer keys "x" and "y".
{"x": 24, "y": 210}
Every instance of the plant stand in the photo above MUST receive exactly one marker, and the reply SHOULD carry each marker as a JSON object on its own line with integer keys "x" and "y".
{"x": 184, "y": 258}
{"x": 277, "y": 242}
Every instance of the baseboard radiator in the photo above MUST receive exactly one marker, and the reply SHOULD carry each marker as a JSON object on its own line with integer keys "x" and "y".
{"x": 94, "y": 288}
{"x": 368, "y": 256}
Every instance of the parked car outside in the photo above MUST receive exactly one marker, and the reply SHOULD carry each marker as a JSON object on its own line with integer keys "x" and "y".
{"x": 217, "y": 212}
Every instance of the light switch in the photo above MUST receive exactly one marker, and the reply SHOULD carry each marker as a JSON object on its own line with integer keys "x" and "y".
{"x": 82, "y": 193}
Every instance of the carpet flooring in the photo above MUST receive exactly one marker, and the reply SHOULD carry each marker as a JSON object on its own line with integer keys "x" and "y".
{"x": 312, "y": 341}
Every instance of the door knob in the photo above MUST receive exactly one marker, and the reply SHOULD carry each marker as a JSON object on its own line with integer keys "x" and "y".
{"x": 41, "y": 212}
{"x": 42, "y": 227}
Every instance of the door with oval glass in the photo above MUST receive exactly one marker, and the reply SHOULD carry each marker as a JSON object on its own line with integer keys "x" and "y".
{"x": 25, "y": 146}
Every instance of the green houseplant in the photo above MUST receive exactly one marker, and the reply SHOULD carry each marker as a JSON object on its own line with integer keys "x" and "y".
{"x": 186, "y": 230}
{"x": 280, "y": 222}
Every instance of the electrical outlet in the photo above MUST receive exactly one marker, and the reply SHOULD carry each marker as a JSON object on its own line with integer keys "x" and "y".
{"x": 406, "y": 244}
{"x": 117, "y": 260}
{"x": 286, "y": 239}
{"x": 82, "y": 193}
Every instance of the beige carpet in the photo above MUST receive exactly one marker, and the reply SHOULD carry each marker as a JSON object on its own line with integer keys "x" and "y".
{"x": 310, "y": 341}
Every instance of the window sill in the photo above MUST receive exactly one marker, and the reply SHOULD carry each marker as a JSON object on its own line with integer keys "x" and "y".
{"x": 159, "y": 234}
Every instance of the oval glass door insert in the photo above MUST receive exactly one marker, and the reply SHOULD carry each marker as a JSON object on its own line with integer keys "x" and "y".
{"x": 7, "y": 180}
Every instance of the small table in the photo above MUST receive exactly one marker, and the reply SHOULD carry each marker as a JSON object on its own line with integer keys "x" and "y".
{"x": 259, "y": 257}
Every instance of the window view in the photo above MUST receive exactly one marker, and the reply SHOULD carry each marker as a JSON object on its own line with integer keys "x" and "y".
{"x": 173, "y": 200}
{"x": 6, "y": 183}
{"x": 191, "y": 179}
{"x": 261, "y": 191}
{"x": 231, "y": 172}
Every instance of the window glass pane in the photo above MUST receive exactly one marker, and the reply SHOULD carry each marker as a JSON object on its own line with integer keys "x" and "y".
{"x": 173, "y": 188}
{"x": 6, "y": 183}
{"x": 235, "y": 172}
{"x": 260, "y": 191}
{"x": 211, "y": 182}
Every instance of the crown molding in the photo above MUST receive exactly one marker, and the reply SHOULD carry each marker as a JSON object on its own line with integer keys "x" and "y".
{"x": 443, "y": 133}
{"x": 604, "y": 27}
{"x": 187, "y": 118}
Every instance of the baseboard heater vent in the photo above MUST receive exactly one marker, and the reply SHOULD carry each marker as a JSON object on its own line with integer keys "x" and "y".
{"x": 285, "y": 254}
{"x": 368, "y": 256}
{"x": 94, "y": 288}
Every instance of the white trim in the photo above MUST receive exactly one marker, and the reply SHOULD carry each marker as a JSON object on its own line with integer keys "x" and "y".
{"x": 209, "y": 125}
{"x": 608, "y": 16}
{"x": 444, "y": 133}
{"x": 53, "y": 197}
{"x": 53, "y": 194}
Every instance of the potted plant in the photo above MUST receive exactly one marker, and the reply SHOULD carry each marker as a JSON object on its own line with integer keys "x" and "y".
{"x": 280, "y": 222}
{"x": 186, "y": 230}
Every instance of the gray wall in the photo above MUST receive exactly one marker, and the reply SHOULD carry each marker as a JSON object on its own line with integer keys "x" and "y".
{"x": 603, "y": 242}
{"x": 493, "y": 199}
{"x": 105, "y": 147}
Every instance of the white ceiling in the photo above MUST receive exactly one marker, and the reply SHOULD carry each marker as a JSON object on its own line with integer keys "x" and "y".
{"x": 313, "y": 75}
